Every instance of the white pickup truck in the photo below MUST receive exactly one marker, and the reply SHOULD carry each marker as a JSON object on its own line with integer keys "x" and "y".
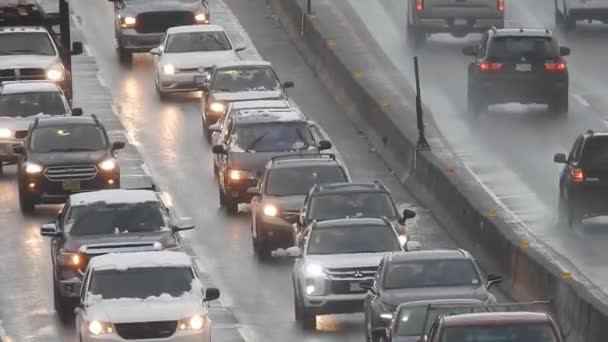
{"x": 456, "y": 17}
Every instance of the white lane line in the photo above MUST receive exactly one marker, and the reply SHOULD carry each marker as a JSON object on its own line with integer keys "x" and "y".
{"x": 101, "y": 80}
{"x": 146, "y": 170}
{"x": 580, "y": 99}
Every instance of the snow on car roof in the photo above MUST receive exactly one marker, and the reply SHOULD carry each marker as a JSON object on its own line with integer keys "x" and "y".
{"x": 237, "y": 64}
{"x": 114, "y": 196}
{"x": 124, "y": 261}
{"x": 195, "y": 28}
{"x": 260, "y": 104}
{"x": 268, "y": 114}
{"x": 29, "y": 87}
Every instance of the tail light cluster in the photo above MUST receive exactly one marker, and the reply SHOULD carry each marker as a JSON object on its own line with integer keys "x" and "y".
{"x": 419, "y": 5}
{"x": 577, "y": 175}
{"x": 501, "y": 5}
{"x": 556, "y": 67}
{"x": 489, "y": 66}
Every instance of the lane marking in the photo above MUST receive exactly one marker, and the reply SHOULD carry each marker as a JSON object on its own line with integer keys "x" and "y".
{"x": 146, "y": 169}
{"x": 102, "y": 81}
{"x": 580, "y": 99}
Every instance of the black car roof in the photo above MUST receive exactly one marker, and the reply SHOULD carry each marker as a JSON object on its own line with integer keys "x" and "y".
{"x": 66, "y": 120}
{"x": 333, "y": 188}
{"x": 522, "y": 32}
{"x": 303, "y": 161}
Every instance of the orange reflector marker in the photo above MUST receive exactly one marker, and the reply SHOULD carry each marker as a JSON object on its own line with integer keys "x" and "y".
{"x": 492, "y": 213}
{"x": 384, "y": 103}
{"x": 110, "y": 181}
{"x": 75, "y": 259}
{"x": 331, "y": 42}
{"x": 524, "y": 244}
{"x": 312, "y": 16}
{"x": 450, "y": 171}
{"x": 566, "y": 275}
{"x": 358, "y": 74}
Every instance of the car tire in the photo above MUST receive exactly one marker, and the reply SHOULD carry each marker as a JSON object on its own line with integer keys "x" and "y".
{"x": 125, "y": 57}
{"x": 559, "y": 19}
{"x": 475, "y": 105}
{"x": 559, "y": 105}
{"x": 308, "y": 321}
{"x": 574, "y": 215}
{"x": 63, "y": 306}
{"x": 297, "y": 314}
{"x": 368, "y": 328}
{"x": 26, "y": 203}
{"x": 261, "y": 250}
{"x": 206, "y": 132}
{"x": 232, "y": 207}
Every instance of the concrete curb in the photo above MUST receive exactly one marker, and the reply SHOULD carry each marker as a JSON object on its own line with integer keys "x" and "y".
{"x": 438, "y": 178}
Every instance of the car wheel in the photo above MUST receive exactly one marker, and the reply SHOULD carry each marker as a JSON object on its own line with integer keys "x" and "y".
{"x": 574, "y": 214}
{"x": 474, "y": 104}
{"x": 232, "y": 206}
{"x": 262, "y": 252}
{"x": 26, "y": 203}
{"x": 368, "y": 328}
{"x": 569, "y": 23}
{"x": 297, "y": 313}
{"x": 559, "y": 105}
{"x": 206, "y": 131}
{"x": 161, "y": 95}
{"x": 63, "y": 306}
{"x": 124, "y": 57}
{"x": 562, "y": 211}
{"x": 559, "y": 19}
{"x": 307, "y": 320}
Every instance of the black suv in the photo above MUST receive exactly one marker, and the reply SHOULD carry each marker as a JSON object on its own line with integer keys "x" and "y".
{"x": 583, "y": 184}
{"x": 106, "y": 221}
{"x": 280, "y": 194}
{"x": 517, "y": 65}
{"x": 352, "y": 200}
{"x": 65, "y": 155}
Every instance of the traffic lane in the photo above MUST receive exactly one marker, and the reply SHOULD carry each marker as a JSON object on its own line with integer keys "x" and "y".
{"x": 512, "y": 137}
{"x": 26, "y": 288}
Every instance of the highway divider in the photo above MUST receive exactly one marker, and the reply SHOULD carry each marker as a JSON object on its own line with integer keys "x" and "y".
{"x": 382, "y": 105}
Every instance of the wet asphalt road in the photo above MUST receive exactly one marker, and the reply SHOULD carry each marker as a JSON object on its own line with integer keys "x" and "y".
{"x": 510, "y": 149}
{"x": 256, "y": 297}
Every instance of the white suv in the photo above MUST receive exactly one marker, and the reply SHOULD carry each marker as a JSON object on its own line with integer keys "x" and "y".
{"x": 333, "y": 257}
{"x": 143, "y": 296}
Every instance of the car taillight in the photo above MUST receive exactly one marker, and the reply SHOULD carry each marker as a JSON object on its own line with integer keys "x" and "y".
{"x": 487, "y": 66}
{"x": 578, "y": 176}
{"x": 501, "y": 5}
{"x": 556, "y": 67}
{"x": 419, "y": 5}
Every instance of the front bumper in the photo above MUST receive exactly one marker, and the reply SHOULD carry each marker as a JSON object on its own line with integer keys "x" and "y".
{"x": 178, "y": 82}
{"x": 457, "y": 25}
{"x": 45, "y": 191}
{"x": 132, "y": 41}
{"x": 500, "y": 92}
{"x": 178, "y": 336}
{"x": 6, "y": 151}
{"x": 275, "y": 232}
{"x": 70, "y": 288}
{"x": 237, "y": 190}
{"x": 333, "y": 296}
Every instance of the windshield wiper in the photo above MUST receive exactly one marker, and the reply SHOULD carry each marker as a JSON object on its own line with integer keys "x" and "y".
{"x": 73, "y": 149}
{"x": 255, "y": 142}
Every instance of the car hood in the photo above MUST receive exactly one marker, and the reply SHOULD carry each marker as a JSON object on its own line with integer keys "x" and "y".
{"x": 131, "y": 310}
{"x": 27, "y": 61}
{"x": 346, "y": 260}
{"x": 198, "y": 59}
{"x": 396, "y": 297}
{"x": 68, "y": 158}
{"x": 110, "y": 241}
{"x": 255, "y": 162}
{"x": 141, "y": 6}
{"x": 248, "y": 95}
{"x": 286, "y": 203}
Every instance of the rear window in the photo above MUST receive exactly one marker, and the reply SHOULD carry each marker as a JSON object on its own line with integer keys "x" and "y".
{"x": 298, "y": 180}
{"x": 595, "y": 152}
{"x": 523, "y": 332}
{"x": 508, "y": 48}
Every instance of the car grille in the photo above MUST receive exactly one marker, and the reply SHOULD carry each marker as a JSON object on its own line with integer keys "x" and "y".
{"x": 358, "y": 273}
{"x": 187, "y": 70}
{"x": 79, "y": 172}
{"x": 146, "y": 330}
{"x": 159, "y": 22}
{"x": 22, "y": 74}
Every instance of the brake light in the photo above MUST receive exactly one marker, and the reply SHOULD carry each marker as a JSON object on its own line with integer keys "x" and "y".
{"x": 556, "y": 67}
{"x": 486, "y": 66}
{"x": 501, "y": 5}
{"x": 578, "y": 176}
{"x": 419, "y": 5}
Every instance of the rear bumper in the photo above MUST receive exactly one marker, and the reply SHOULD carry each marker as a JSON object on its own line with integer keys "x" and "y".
{"x": 180, "y": 82}
{"x": 334, "y": 304}
{"x": 237, "y": 191}
{"x": 6, "y": 151}
{"x": 499, "y": 92}
{"x": 132, "y": 41}
{"x": 275, "y": 232}
{"x": 457, "y": 21}
{"x": 590, "y": 200}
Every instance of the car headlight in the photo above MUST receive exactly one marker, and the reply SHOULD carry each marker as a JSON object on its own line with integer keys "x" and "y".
{"x": 217, "y": 107}
{"x": 100, "y": 328}
{"x": 32, "y": 168}
{"x": 193, "y": 323}
{"x": 402, "y": 239}
{"x": 128, "y": 22}
{"x": 70, "y": 259}
{"x": 314, "y": 270}
{"x": 55, "y": 73}
{"x": 270, "y": 210}
{"x": 386, "y": 315}
{"x": 201, "y": 17}
{"x": 169, "y": 69}
{"x": 237, "y": 175}
{"x": 5, "y": 133}
{"x": 107, "y": 165}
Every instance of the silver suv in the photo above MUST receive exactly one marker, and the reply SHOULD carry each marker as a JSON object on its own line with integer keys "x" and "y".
{"x": 457, "y": 17}
{"x": 333, "y": 258}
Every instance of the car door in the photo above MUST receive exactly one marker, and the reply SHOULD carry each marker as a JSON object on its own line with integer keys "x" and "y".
{"x": 573, "y": 158}
{"x": 80, "y": 313}
{"x": 223, "y": 159}
{"x": 57, "y": 242}
{"x": 255, "y": 203}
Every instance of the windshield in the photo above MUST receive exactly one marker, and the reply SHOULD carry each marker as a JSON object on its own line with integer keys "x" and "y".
{"x": 71, "y": 138}
{"x": 351, "y": 204}
{"x": 115, "y": 219}
{"x": 540, "y": 332}
{"x": 245, "y": 79}
{"x": 431, "y": 273}
{"x": 516, "y": 48}
{"x": 299, "y": 180}
{"x": 141, "y": 282}
{"x": 26, "y": 43}
{"x": 411, "y": 319}
{"x": 357, "y": 239}
{"x": 197, "y": 41}
{"x": 595, "y": 152}
{"x": 27, "y": 104}
{"x": 271, "y": 137}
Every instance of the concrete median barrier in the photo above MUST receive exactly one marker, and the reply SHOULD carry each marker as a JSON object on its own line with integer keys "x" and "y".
{"x": 382, "y": 105}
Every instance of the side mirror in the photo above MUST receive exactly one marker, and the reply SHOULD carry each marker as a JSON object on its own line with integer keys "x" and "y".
{"x": 211, "y": 294}
{"x": 324, "y": 145}
{"x": 76, "y": 48}
{"x": 240, "y": 48}
{"x": 77, "y": 111}
{"x": 18, "y": 149}
{"x": 564, "y": 51}
{"x": 219, "y": 149}
{"x": 253, "y": 191}
{"x": 288, "y": 84}
{"x": 470, "y": 50}
{"x": 493, "y": 279}
{"x": 406, "y": 215}
{"x": 379, "y": 333}
{"x": 184, "y": 223}
{"x": 118, "y": 145}
{"x": 49, "y": 229}
{"x": 156, "y": 52}
{"x": 560, "y": 158}
{"x": 215, "y": 128}
{"x": 412, "y": 246}
{"x": 367, "y": 285}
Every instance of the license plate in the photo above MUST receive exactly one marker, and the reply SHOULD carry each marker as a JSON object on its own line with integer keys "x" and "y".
{"x": 200, "y": 79}
{"x": 355, "y": 287}
{"x": 461, "y": 22}
{"x": 71, "y": 186}
{"x": 523, "y": 67}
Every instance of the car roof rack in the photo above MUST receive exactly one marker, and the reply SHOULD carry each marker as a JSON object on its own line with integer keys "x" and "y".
{"x": 375, "y": 184}
{"x": 330, "y": 156}
{"x": 96, "y": 119}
